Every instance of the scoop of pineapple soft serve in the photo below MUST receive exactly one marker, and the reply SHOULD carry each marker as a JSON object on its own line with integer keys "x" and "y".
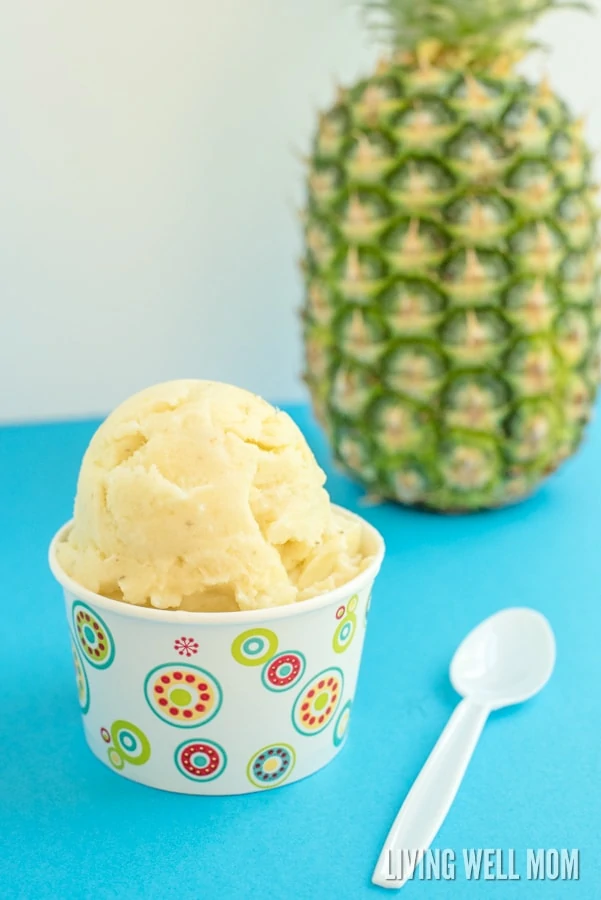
{"x": 201, "y": 496}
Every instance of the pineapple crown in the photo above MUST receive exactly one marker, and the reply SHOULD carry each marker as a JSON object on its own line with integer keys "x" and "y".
{"x": 471, "y": 29}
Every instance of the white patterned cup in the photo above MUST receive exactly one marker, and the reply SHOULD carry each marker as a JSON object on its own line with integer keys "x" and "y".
{"x": 218, "y": 703}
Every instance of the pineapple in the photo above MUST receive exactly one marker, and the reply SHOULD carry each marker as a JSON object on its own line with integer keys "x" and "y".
{"x": 452, "y": 314}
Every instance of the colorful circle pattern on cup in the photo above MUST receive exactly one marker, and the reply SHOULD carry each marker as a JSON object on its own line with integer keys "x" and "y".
{"x": 94, "y": 638}
{"x": 200, "y": 760}
{"x": 115, "y": 759}
{"x": 283, "y": 671}
{"x": 185, "y": 696}
{"x": 271, "y": 766}
{"x": 254, "y": 647}
{"x": 131, "y": 742}
{"x": 318, "y": 701}
{"x": 342, "y": 723}
{"x": 83, "y": 686}
{"x": 345, "y": 632}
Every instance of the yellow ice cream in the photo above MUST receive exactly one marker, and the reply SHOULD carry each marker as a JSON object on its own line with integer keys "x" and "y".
{"x": 201, "y": 496}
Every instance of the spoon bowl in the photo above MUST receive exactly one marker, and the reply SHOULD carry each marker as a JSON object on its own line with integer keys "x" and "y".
{"x": 506, "y": 659}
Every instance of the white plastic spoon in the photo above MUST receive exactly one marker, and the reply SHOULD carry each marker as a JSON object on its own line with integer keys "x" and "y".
{"x": 506, "y": 659}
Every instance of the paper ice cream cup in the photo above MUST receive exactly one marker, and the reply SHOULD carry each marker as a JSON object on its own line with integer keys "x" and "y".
{"x": 218, "y": 703}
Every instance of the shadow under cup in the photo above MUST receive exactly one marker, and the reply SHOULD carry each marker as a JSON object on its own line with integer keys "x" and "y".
{"x": 218, "y": 703}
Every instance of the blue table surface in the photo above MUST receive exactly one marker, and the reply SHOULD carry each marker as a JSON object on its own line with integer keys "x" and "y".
{"x": 70, "y": 828}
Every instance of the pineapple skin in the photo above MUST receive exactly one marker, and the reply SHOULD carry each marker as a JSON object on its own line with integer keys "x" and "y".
{"x": 452, "y": 313}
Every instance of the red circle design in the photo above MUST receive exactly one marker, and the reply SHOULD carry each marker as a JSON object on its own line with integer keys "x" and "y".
{"x": 310, "y": 719}
{"x": 210, "y": 752}
{"x": 280, "y": 681}
{"x": 204, "y": 696}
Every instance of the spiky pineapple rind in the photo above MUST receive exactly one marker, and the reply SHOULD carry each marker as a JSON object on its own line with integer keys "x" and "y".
{"x": 452, "y": 314}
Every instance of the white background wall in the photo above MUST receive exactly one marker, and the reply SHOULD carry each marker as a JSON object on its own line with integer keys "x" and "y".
{"x": 148, "y": 181}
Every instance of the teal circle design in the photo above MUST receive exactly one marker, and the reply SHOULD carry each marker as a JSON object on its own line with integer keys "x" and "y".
{"x": 131, "y": 742}
{"x": 342, "y": 724}
{"x": 270, "y": 766}
{"x": 93, "y": 636}
{"x": 283, "y": 670}
{"x": 254, "y": 647}
{"x": 345, "y": 632}
{"x": 210, "y": 753}
{"x": 202, "y": 688}
{"x": 128, "y": 740}
{"x": 318, "y": 701}
{"x": 81, "y": 679}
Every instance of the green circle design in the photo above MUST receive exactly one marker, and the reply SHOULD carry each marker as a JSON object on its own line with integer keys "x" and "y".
{"x": 341, "y": 642}
{"x": 322, "y": 700}
{"x": 141, "y": 749}
{"x": 243, "y": 647}
{"x": 343, "y": 720}
{"x": 302, "y": 697}
{"x": 86, "y": 622}
{"x": 180, "y": 696}
{"x": 201, "y": 779}
{"x": 81, "y": 679}
{"x": 272, "y": 784}
{"x": 115, "y": 758}
{"x": 352, "y": 604}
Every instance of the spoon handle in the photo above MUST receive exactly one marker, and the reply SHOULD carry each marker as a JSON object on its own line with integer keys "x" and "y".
{"x": 431, "y": 796}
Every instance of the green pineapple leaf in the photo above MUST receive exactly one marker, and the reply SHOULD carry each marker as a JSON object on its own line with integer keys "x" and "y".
{"x": 485, "y": 26}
